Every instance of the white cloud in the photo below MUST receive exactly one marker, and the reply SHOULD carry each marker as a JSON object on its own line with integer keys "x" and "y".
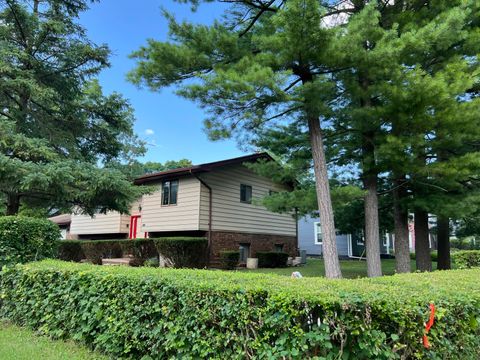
{"x": 149, "y": 132}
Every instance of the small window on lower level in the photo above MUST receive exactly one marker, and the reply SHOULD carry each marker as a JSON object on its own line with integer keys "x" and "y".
{"x": 278, "y": 248}
{"x": 244, "y": 252}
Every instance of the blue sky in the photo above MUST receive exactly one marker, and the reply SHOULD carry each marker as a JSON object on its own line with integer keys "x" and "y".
{"x": 170, "y": 124}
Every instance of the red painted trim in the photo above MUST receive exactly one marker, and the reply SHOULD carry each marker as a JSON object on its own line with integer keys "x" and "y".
{"x": 133, "y": 226}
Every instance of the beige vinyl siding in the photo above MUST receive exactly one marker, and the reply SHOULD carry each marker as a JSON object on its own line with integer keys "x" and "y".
{"x": 109, "y": 223}
{"x": 125, "y": 219}
{"x": 229, "y": 214}
{"x": 181, "y": 217}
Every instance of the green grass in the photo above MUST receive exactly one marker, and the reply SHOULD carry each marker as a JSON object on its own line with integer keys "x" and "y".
{"x": 350, "y": 268}
{"x": 17, "y": 343}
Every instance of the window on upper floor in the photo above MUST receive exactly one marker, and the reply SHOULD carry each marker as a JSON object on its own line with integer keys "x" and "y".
{"x": 169, "y": 192}
{"x": 245, "y": 193}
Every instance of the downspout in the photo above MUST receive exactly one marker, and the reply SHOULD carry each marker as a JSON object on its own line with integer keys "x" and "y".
{"x": 297, "y": 250}
{"x": 209, "y": 237}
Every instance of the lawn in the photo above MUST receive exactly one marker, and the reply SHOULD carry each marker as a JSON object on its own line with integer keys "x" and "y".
{"x": 350, "y": 268}
{"x": 17, "y": 343}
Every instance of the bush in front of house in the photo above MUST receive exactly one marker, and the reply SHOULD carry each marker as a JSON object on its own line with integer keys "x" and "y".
{"x": 96, "y": 250}
{"x": 465, "y": 244}
{"x": 24, "y": 239}
{"x": 170, "y": 313}
{"x": 183, "y": 252}
{"x": 272, "y": 259}
{"x": 70, "y": 250}
{"x": 465, "y": 259}
{"x": 229, "y": 259}
{"x": 140, "y": 249}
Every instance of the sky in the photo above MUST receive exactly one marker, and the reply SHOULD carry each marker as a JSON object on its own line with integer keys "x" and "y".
{"x": 171, "y": 125}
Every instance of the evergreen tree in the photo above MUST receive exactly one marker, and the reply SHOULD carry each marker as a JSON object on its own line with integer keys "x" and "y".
{"x": 56, "y": 125}
{"x": 263, "y": 66}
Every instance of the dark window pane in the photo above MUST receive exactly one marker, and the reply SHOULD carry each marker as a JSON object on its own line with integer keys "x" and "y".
{"x": 244, "y": 252}
{"x": 249, "y": 194}
{"x": 245, "y": 193}
{"x": 173, "y": 191}
{"x": 166, "y": 193}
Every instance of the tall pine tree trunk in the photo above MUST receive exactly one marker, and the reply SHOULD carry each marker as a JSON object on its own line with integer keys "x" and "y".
{"x": 330, "y": 254}
{"x": 422, "y": 246}
{"x": 443, "y": 239}
{"x": 13, "y": 204}
{"x": 372, "y": 233}
{"x": 400, "y": 216}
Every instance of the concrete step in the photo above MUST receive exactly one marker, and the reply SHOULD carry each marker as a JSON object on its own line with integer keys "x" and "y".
{"x": 117, "y": 261}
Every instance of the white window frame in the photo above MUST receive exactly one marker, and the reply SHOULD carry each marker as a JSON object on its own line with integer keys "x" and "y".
{"x": 316, "y": 228}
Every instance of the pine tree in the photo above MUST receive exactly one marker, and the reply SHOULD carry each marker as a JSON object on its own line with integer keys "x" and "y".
{"x": 262, "y": 67}
{"x": 56, "y": 125}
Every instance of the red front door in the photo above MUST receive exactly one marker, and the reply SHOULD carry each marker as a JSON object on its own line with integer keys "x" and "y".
{"x": 133, "y": 226}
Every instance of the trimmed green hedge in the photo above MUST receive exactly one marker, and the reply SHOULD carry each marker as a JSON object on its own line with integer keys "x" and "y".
{"x": 183, "y": 252}
{"x": 24, "y": 239}
{"x": 229, "y": 259}
{"x": 169, "y": 313}
{"x": 272, "y": 259}
{"x": 70, "y": 250}
{"x": 466, "y": 259}
{"x": 179, "y": 251}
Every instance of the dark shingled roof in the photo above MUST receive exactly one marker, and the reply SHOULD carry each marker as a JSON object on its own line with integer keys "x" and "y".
{"x": 200, "y": 168}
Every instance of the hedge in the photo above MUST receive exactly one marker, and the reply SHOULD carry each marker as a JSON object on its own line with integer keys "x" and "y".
{"x": 70, "y": 250}
{"x": 466, "y": 259}
{"x": 170, "y": 313}
{"x": 433, "y": 255}
{"x": 179, "y": 251}
{"x": 229, "y": 259}
{"x": 24, "y": 239}
{"x": 183, "y": 252}
{"x": 272, "y": 259}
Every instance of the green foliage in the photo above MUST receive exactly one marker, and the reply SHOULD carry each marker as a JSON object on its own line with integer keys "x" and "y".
{"x": 169, "y": 313}
{"x": 183, "y": 252}
{"x": 465, "y": 244}
{"x": 466, "y": 259}
{"x": 59, "y": 132}
{"x": 140, "y": 249}
{"x": 152, "y": 262}
{"x": 24, "y": 239}
{"x": 272, "y": 259}
{"x": 70, "y": 250}
{"x": 134, "y": 168}
{"x": 96, "y": 250}
{"x": 433, "y": 256}
{"x": 229, "y": 259}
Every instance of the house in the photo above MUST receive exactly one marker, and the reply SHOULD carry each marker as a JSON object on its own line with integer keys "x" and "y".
{"x": 353, "y": 245}
{"x": 348, "y": 245}
{"x": 63, "y": 221}
{"x": 217, "y": 200}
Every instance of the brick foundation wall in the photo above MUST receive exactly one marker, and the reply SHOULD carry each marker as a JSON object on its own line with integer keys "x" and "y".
{"x": 222, "y": 241}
